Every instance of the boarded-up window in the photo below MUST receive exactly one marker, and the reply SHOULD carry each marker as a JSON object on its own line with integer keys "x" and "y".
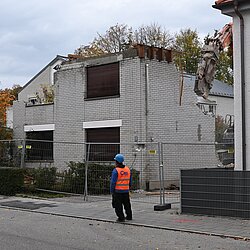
{"x": 103, "y": 80}
{"x": 104, "y": 150}
{"x": 39, "y": 147}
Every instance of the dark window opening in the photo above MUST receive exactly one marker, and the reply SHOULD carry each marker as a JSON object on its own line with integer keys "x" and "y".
{"x": 104, "y": 151}
{"x": 103, "y": 80}
{"x": 39, "y": 146}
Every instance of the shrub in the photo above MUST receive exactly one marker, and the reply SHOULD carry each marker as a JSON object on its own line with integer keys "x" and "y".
{"x": 135, "y": 179}
{"x": 6, "y": 154}
{"x": 74, "y": 178}
{"x": 11, "y": 180}
{"x": 43, "y": 177}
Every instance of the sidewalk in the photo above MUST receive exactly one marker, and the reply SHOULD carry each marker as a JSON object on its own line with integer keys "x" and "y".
{"x": 143, "y": 215}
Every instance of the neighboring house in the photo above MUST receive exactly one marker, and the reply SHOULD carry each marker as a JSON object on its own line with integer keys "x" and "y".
{"x": 130, "y": 97}
{"x": 240, "y": 12}
{"x": 32, "y": 90}
{"x": 221, "y": 93}
{"x": 32, "y": 93}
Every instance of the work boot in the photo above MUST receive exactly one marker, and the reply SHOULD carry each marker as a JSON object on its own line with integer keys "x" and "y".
{"x": 120, "y": 220}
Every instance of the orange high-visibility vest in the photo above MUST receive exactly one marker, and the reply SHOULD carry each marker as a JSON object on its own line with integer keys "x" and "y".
{"x": 123, "y": 178}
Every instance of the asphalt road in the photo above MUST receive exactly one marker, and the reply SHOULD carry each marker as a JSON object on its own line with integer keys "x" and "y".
{"x": 28, "y": 231}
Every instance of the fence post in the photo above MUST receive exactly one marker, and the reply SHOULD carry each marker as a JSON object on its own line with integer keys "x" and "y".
{"x": 23, "y": 154}
{"x": 162, "y": 206}
{"x": 86, "y": 173}
{"x": 180, "y": 191}
{"x": 162, "y": 174}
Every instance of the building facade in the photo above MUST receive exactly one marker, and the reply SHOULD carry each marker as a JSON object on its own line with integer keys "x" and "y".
{"x": 127, "y": 98}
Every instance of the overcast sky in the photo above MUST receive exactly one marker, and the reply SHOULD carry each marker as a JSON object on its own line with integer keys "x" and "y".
{"x": 33, "y": 32}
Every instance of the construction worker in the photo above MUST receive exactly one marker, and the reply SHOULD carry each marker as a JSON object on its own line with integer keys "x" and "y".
{"x": 121, "y": 181}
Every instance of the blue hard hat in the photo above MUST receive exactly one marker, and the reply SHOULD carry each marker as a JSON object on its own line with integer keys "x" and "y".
{"x": 119, "y": 158}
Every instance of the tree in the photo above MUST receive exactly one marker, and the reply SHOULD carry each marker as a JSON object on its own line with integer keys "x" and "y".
{"x": 153, "y": 35}
{"x": 224, "y": 69}
{"x": 119, "y": 37}
{"x": 112, "y": 41}
{"x": 48, "y": 93}
{"x": 5, "y": 101}
{"x": 187, "y": 46}
{"x": 15, "y": 91}
{"x": 220, "y": 127}
{"x": 7, "y": 96}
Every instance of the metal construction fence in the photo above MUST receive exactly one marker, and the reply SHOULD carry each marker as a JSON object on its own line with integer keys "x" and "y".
{"x": 85, "y": 168}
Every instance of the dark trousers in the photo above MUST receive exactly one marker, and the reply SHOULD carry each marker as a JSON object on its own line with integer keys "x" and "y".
{"x": 120, "y": 201}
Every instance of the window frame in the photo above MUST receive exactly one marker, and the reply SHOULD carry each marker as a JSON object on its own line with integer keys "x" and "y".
{"x": 39, "y": 146}
{"x": 101, "y": 147}
{"x": 103, "y": 81}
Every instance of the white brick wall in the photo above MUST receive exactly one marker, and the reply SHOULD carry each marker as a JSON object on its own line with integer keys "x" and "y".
{"x": 166, "y": 121}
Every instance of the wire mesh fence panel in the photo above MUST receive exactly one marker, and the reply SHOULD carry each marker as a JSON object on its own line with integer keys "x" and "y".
{"x": 142, "y": 159}
{"x": 181, "y": 156}
{"x": 178, "y": 156}
{"x": 98, "y": 179}
{"x": 154, "y": 197}
{"x": 86, "y": 168}
{"x": 10, "y": 153}
{"x": 100, "y": 159}
{"x": 145, "y": 160}
{"x": 225, "y": 153}
{"x": 66, "y": 152}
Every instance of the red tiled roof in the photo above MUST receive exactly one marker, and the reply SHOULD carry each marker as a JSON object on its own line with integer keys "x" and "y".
{"x": 223, "y": 1}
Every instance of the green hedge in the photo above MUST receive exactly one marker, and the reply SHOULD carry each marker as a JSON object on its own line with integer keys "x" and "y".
{"x": 11, "y": 180}
{"x": 42, "y": 177}
{"x": 72, "y": 180}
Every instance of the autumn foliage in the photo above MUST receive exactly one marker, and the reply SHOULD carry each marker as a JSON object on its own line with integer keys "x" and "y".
{"x": 6, "y": 98}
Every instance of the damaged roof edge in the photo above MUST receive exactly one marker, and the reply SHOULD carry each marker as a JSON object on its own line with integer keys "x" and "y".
{"x": 222, "y": 1}
{"x": 140, "y": 50}
{"x": 221, "y": 4}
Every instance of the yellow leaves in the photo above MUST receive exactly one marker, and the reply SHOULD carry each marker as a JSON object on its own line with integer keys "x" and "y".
{"x": 48, "y": 93}
{"x": 6, "y": 99}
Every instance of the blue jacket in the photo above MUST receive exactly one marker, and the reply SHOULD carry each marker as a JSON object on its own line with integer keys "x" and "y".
{"x": 113, "y": 182}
